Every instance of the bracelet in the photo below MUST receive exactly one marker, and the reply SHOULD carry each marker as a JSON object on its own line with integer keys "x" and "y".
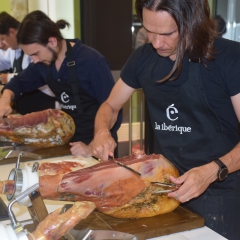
{"x": 102, "y": 131}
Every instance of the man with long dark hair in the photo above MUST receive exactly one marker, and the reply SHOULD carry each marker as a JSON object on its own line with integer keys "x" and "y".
{"x": 37, "y": 100}
{"x": 78, "y": 75}
{"x": 191, "y": 81}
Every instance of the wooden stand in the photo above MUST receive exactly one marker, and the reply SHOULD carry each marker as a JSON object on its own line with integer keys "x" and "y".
{"x": 38, "y": 210}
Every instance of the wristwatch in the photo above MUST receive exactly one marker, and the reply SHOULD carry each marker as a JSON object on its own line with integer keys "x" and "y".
{"x": 223, "y": 170}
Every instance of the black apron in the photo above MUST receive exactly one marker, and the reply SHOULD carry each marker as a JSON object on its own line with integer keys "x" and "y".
{"x": 189, "y": 134}
{"x": 75, "y": 101}
{"x": 32, "y": 101}
{"x": 17, "y": 63}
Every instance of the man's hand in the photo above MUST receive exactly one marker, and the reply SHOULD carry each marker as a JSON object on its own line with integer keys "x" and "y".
{"x": 103, "y": 145}
{"x": 5, "y": 103}
{"x": 80, "y": 149}
{"x": 4, "y": 78}
{"x": 194, "y": 182}
{"x": 5, "y": 106}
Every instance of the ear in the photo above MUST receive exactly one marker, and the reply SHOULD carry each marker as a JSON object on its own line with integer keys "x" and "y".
{"x": 52, "y": 42}
{"x": 12, "y": 31}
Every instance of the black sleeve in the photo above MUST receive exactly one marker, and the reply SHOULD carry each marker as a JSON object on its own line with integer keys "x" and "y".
{"x": 28, "y": 80}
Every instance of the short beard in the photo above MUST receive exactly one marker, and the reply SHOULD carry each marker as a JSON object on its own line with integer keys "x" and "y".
{"x": 54, "y": 56}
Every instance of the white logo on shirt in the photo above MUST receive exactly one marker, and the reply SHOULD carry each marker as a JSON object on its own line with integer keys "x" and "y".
{"x": 171, "y": 112}
{"x": 64, "y": 97}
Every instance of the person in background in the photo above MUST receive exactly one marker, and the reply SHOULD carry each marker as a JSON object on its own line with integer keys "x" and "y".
{"x": 78, "y": 75}
{"x": 141, "y": 38}
{"x": 36, "y": 100}
{"x": 5, "y": 64}
{"x": 191, "y": 81}
{"x": 221, "y": 25}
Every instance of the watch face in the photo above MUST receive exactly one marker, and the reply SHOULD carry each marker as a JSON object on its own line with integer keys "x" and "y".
{"x": 223, "y": 174}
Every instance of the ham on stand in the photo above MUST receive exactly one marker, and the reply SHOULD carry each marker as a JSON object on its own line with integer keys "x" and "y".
{"x": 114, "y": 190}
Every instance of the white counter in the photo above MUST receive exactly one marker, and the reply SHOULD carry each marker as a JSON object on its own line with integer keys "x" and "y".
{"x": 22, "y": 214}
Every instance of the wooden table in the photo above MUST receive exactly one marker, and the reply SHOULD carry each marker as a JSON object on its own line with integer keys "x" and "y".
{"x": 181, "y": 219}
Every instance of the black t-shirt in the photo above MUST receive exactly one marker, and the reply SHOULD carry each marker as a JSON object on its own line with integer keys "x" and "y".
{"x": 221, "y": 78}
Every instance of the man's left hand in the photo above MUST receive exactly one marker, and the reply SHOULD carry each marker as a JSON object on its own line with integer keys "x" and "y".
{"x": 194, "y": 182}
{"x": 80, "y": 149}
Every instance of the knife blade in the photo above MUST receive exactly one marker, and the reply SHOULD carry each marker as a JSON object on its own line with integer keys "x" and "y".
{"x": 125, "y": 166}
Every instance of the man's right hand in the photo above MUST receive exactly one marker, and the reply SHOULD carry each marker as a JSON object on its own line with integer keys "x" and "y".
{"x": 103, "y": 145}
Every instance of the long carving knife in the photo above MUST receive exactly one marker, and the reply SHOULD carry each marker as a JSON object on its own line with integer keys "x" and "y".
{"x": 125, "y": 166}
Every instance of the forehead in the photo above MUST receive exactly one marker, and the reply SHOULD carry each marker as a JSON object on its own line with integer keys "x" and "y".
{"x": 32, "y": 48}
{"x": 158, "y": 22}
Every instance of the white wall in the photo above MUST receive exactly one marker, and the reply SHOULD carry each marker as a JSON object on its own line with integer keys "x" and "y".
{"x": 56, "y": 9}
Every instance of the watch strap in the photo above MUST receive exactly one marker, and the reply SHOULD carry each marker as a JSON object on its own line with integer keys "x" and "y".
{"x": 223, "y": 170}
{"x": 219, "y": 163}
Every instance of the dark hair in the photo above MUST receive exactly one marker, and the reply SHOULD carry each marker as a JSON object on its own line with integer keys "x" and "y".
{"x": 196, "y": 28}
{"x": 37, "y": 27}
{"x": 221, "y": 25}
{"x": 6, "y": 22}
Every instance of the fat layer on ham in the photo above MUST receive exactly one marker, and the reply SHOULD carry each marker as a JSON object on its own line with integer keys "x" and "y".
{"x": 42, "y": 129}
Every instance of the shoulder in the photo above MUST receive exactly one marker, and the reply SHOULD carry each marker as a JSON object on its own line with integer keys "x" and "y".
{"x": 226, "y": 65}
{"x": 85, "y": 51}
{"x": 142, "y": 55}
{"x": 135, "y": 67}
{"x": 226, "y": 48}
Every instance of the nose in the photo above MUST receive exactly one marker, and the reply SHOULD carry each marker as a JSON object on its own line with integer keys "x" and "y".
{"x": 157, "y": 41}
{"x": 35, "y": 59}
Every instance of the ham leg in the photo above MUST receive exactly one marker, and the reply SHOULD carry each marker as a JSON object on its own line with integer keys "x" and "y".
{"x": 114, "y": 190}
{"x": 42, "y": 129}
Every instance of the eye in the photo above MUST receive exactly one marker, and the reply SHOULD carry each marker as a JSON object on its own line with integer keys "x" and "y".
{"x": 168, "y": 34}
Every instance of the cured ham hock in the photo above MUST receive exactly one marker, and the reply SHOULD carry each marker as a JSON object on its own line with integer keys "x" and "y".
{"x": 114, "y": 190}
{"x": 42, "y": 129}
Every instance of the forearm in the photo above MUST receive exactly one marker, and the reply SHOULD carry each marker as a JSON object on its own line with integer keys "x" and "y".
{"x": 7, "y": 95}
{"x": 105, "y": 118}
{"x": 232, "y": 159}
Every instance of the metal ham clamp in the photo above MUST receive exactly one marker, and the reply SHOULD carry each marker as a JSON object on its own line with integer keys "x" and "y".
{"x": 168, "y": 187}
{"x": 16, "y": 230}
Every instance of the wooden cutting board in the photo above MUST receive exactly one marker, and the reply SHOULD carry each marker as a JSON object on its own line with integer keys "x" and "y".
{"x": 181, "y": 219}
